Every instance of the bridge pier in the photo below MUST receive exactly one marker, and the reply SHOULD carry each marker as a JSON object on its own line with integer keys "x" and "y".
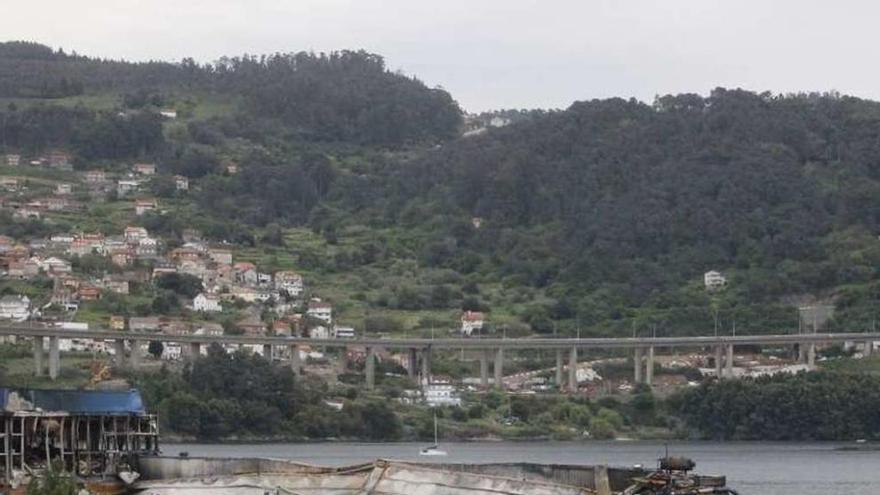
{"x": 412, "y": 371}
{"x": 729, "y": 361}
{"x": 119, "y": 352}
{"x": 572, "y": 370}
{"x": 559, "y": 369}
{"x": 295, "y": 362}
{"x": 54, "y": 358}
{"x": 811, "y": 354}
{"x": 370, "y": 368}
{"x": 426, "y": 365}
{"x": 267, "y": 351}
{"x": 484, "y": 368}
{"x": 195, "y": 350}
{"x": 637, "y": 372}
{"x": 38, "y": 356}
{"x": 649, "y": 367}
{"x": 869, "y": 348}
{"x": 136, "y": 348}
{"x": 499, "y": 368}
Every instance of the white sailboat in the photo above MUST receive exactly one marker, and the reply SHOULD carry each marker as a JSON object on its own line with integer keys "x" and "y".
{"x": 433, "y": 449}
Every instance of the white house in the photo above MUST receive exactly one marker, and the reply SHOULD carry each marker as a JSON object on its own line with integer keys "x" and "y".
{"x": 714, "y": 280}
{"x": 126, "y": 186}
{"x": 343, "y": 332}
{"x": 181, "y": 183}
{"x": 470, "y": 321}
{"x": 289, "y": 282}
{"x": 207, "y": 302}
{"x": 16, "y": 308}
{"x": 441, "y": 395}
{"x": 319, "y": 332}
{"x": 320, "y": 310}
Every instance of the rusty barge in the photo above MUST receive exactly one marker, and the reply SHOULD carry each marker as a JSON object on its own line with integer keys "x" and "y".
{"x": 107, "y": 443}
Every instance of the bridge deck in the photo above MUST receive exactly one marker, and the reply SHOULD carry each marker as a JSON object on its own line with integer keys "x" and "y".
{"x": 446, "y": 343}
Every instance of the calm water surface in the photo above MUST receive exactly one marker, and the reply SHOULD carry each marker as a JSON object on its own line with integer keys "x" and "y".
{"x": 751, "y": 468}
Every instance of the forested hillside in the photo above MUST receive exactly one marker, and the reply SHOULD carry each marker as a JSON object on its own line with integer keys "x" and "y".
{"x": 340, "y": 96}
{"x": 601, "y": 218}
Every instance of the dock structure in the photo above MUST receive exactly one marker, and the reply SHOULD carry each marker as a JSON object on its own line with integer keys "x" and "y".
{"x": 90, "y": 433}
{"x": 420, "y": 349}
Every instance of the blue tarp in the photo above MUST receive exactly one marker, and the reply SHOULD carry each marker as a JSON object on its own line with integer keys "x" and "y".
{"x": 72, "y": 401}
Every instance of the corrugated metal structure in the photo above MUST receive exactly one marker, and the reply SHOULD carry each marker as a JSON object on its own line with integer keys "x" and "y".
{"x": 90, "y": 433}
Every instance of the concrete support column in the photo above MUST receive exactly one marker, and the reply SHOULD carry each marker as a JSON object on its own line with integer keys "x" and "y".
{"x": 295, "y": 362}
{"x": 718, "y": 358}
{"x": 729, "y": 361}
{"x": 802, "y": 353}
{"x": 413, "y": 362}
{"x": 426, "y": 365}
{"x": 119, "y": 352}
{"x": 136, "y": 348}
{"x": 572, "y": 370}
{"x": 559, "y": 369}
{"x": 499, "y": 368}
{"x": 811, "y": 354}
{"x": 267, "y": 351}
{"x": 484, "y": 368}
{"x": 54, "y": 358}
{"x": 195, "y": 350}
{"x": 38, "y": 356}
{"x": 869, "y": 348}
{"x": 649, "y": 367}
{"x": 370, "y": 368}
{"x": 637, "y": 372}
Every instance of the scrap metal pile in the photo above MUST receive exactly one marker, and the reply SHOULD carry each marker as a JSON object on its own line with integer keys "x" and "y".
{"x": 674, "y": 478}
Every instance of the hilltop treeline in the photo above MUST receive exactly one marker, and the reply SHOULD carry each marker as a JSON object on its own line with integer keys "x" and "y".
{"x": 338, "y": 96}
{"x": 88, "y": 133}
{"x": 627, "y": 201}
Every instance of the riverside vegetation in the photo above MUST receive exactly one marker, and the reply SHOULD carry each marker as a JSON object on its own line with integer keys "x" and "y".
{"x": 599, "y": 219}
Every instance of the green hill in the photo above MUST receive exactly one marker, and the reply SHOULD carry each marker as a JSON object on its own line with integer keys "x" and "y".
{"x": 601, "y": 218}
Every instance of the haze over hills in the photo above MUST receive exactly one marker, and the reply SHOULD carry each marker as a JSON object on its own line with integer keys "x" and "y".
{"x": 601, "y": 218}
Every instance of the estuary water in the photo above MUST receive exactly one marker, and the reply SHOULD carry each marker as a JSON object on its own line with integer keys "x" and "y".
{"x": 751, "y": 468}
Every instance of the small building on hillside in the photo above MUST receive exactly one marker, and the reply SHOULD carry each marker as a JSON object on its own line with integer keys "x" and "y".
{"x": 117, "y": 322}
{"x": 143, "y": 206}
{"x": 95, "y": 176}
{"x": 252, "y": 326}
{"x": 289, "y": 282}
{"x": 181, "y": 183}
{"x": 208, "y": 303}
{"x": 144, "y": 168}
{"x": 63, "y": 189}
{"x": 320, "y": 310}
{"x": 341, "y": 332}
{"x": 470, "y": 321}
{"x": 220, "y": 256}
{"x": 126, "y": 186}
{"x": 13, "y": 160}
{"x": 714, "y": 280}
{"x": 16, "y": 308}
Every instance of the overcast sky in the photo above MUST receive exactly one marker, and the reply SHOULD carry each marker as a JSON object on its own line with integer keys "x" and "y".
{"x": 500, "y": 53}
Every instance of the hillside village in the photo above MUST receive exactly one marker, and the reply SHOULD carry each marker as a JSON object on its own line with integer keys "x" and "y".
{"x": 130, "y": 262}
{"x": 117, "y": 279}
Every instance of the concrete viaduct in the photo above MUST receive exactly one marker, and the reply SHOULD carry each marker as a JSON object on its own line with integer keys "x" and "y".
{"x": 488, "y": 349}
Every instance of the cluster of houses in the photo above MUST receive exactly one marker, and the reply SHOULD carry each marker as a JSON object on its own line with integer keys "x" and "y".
{"x": 95, "y": 183}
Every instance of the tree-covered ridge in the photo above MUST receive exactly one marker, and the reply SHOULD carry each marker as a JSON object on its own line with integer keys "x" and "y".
{"x": 338, "y": 96}
{"x": 643, "y": 198}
